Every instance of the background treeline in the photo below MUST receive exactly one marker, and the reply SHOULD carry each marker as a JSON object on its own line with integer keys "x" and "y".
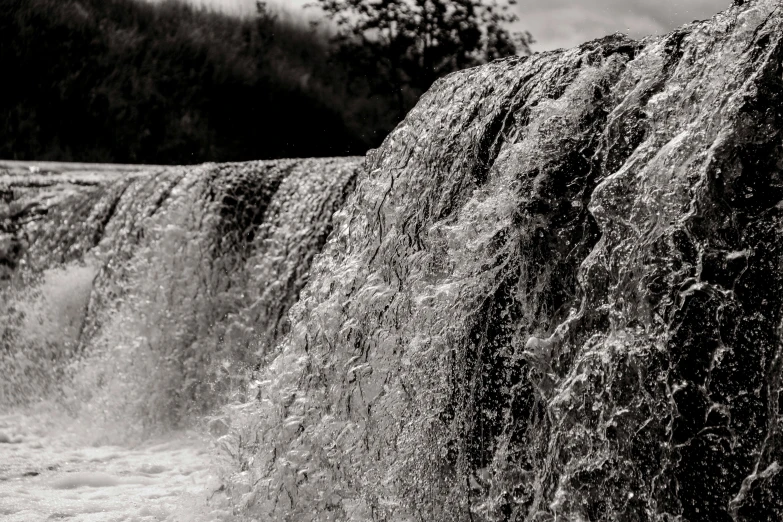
{"x": 130, "y": 82}
{"x": 125, "y": 81}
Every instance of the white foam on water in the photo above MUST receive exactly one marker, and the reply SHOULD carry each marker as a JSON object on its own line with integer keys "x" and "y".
{"x": 55, "y": 471}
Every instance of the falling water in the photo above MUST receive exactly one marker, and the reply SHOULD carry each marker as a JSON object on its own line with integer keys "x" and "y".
{"x": 169, "y": 282}
{"x": 553, "y": 293}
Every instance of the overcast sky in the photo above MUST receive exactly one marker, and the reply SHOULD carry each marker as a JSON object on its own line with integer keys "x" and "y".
{"x": 565, "y": 23}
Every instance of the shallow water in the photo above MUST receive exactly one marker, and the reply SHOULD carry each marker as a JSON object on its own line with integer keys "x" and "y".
{"x": 51, "y": 470}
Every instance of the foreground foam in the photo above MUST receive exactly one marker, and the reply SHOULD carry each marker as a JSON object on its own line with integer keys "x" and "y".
{"x": 66, "y": 477}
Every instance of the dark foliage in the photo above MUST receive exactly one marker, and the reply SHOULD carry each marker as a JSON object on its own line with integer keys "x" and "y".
{"x": 403, "y": 46}
{"x": 123, "y": 81}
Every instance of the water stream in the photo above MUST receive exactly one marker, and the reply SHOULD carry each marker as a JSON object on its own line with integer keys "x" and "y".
{"x": 554, "y": 293}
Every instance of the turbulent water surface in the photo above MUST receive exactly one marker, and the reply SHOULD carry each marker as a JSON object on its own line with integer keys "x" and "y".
{"x": 136, "y": 300}
{"x": 554, "y": 294}
{"x": 51, "y": 470}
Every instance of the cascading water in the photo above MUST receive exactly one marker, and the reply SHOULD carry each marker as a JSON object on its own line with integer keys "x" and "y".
{"x": 136, "y": 300}
{"x": 554, "y": 294}
{"x": 164, "y": 272}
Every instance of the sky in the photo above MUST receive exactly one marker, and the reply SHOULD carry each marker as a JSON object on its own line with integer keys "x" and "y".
{"x": 565, "y": 23}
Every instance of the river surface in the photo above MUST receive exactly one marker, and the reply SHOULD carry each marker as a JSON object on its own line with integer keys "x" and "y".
{"x": 52, "y": 469}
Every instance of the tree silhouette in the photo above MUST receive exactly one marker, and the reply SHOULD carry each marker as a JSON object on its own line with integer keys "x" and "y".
{"x": 403, "y": 46}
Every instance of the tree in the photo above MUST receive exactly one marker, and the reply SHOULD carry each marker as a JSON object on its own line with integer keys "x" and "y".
{"x": 403, "y": 46}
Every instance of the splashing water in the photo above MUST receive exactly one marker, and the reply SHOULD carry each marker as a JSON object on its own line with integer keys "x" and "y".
{"x": 554, "y": 294}
{"x": 138, "y": 303}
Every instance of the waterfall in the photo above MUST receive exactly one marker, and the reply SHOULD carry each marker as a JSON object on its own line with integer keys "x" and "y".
{"x": 553, "y": 293}
{"x": 176, "y": 279}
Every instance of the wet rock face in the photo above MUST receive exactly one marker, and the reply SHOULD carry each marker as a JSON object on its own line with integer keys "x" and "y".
{"x": 555, "y": 295}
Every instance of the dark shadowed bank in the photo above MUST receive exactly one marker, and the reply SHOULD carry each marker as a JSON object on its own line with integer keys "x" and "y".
{"x": 128, "y": 81}
{"x": 554, "y": 294}
{"x": 125, "y": 81}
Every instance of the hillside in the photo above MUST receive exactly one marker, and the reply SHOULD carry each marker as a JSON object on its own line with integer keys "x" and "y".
{"x": 124, "y": 81}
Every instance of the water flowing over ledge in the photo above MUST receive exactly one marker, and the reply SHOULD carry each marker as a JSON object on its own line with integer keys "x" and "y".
{"x": 178, "y": 271}
{"x": 554, "y": 294}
